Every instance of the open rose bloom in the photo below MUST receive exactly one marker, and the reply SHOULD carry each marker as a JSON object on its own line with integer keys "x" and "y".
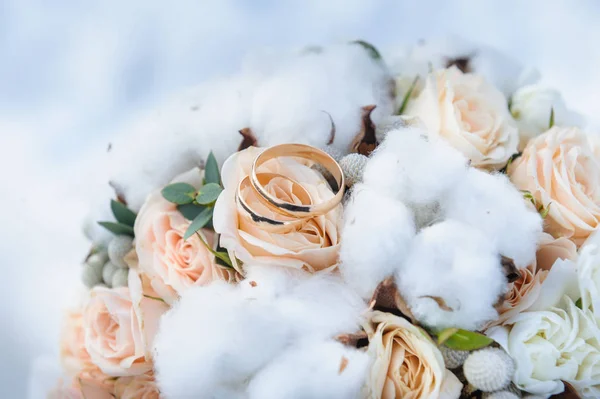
{"x": 313, "y": 247}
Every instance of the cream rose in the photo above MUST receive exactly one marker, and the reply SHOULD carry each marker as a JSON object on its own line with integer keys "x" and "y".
{"x": 553, "y": 346}
{"x": 73, "y": 354}
{"x": 561, "y": 172}
{"x": 313, "y": 247}
{"x": 525, "y": 292}
{"x": 171, "y": 263}
{"x": 406, "y": 363}
{"x": 588, "y": 271}
{"x": 531, "y": 107}
{"x": 138, "y": 387}
{"x": 119, "y": 325}
{"x": 470, "y": 114}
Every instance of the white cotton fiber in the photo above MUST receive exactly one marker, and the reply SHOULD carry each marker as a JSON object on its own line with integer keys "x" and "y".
{"x": 312, "y": 370}
{"x": 377, "y": 233}
{"x": 452, "y": 277}
{"x": 298, "y": 101}
{"x": 490, "y": 203}
{"x": 214, "y": 339}
{"x": 413, "y": 168}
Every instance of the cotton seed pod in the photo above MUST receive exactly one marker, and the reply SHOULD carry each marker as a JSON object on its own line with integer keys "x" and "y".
{"x": 118, "y": 248}
{"x": 119, "y": 278}
{"x": 91, "y": 276}
{"x": 453, "y": 358}
{"x": 97, "y": 259}
{"x": 353, "y": 166}
{"x": 489, "y": 369}
{"x": 108, "y": 272}
{"x": 500, "y": 395}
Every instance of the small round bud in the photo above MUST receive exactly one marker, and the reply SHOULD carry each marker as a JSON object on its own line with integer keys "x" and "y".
{"x": 453, "y": 358}
{"x": 353, "y": 166}
{"x": 333, "y": 152}
{"x": 97, "y": 259}
{"x": 500, "y": 395}
{"x": 91, "y": 276}
{"x": 119, "y": 279}
{"x": 108, "y": 272}
{"x": 118, "y": 248}
{"x": 489, "y": 369}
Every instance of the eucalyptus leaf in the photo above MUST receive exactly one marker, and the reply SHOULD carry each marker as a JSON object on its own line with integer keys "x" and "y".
{"x": 179, "y": 193}
{"x": 443, "y": 335}
{"x": 117, "y": 228}
{"x": 190, "y": 211}
{"x": 464, "y": 340}
{"x": 123, "y": 214}
{"x": 208, "y": 193}
{"x": 199, "y": 222}
{"x": 211, "y": 170}
{"x": 406, "y": 98}
{"x": 221, "y": 256}
{"x": 372, "y": 50}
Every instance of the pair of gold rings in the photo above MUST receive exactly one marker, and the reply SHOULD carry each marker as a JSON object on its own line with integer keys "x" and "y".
{"x": 290, "y": 215}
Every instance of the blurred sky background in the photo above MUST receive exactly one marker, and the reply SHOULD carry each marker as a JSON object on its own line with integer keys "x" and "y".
{"x": 73, "y": 73}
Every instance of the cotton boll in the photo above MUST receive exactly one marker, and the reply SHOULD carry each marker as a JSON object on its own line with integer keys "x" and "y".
{"x": 321, "y": 306}
{"x": 493, "y": 205}
{"x": 214, "y": 339}
{"x": 413, "y": 168}
{"x": 452, "y": 277}
{"x": 377, "y": 233}
{"x": 311, "y": 370}
{"x": 299, "y": 100}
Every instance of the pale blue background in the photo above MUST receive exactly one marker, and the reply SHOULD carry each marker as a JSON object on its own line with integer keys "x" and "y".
{"x": 73, "y": 72}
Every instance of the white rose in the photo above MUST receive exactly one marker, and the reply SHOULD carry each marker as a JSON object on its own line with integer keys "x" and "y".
{"x": 470, "y": 114}
{"x": 553, "y": 346}
{"x": 531, "y": 107}
{"x": 588, "y": 272}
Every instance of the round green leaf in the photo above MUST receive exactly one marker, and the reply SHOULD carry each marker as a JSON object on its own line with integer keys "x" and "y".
{"x": 190, "y": 211}
{"x": 464, "y": 340}
{"x": 208, "y": 193}
{"x": 179, "y": 193}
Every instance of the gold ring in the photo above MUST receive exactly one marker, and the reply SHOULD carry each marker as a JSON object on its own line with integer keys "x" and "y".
{"x": 306, "y": 152}
{"x": 267, "y": 223}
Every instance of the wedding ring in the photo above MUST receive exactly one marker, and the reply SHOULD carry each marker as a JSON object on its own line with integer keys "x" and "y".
{"x": 288, "y": 222}
{"x": 305, "y": 152}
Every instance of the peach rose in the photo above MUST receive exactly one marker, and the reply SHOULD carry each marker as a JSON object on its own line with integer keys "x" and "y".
{"x": 172, "y": 263}
{"x": 524, "y": 292}
{"x": 470, "y": 114}
{"x": 120, "y": 325}
{"x": 562, "y": 173}
{"x": 80, "y": 389}
{"x": 73, "y": 354}
{"x": 313, "y": 247}
{"x": 406, "y": 364}
{"x": 138, "y": 387}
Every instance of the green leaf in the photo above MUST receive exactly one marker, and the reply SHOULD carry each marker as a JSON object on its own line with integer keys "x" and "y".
{"x": 190, "y": 211}
{"x": 179, "y": 193}
{"x": 579, "y": 303}
{"x": 122, "y": 213}
{"x": 223, "y": 256}
{"x": 373, "y": 52}
{"x": 211, "y": 170}
{"x": 551, "y": 123}
{"x": 199, "y": 222}
{"x": 208, "y": 193}
{"x": 443, "y": 335}
{"x": 117, "y": 228}
{"x": 464, "y": 340}
{"x": 406, "y": 98}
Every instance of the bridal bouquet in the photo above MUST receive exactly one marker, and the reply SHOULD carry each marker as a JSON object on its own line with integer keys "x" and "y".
{"x": 345, "y": 223}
